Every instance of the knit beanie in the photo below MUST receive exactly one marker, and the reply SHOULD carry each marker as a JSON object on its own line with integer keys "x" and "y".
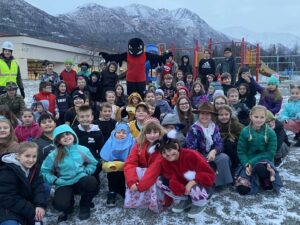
{"x": 159, "y": 92}
{"x": 273, "y": 80}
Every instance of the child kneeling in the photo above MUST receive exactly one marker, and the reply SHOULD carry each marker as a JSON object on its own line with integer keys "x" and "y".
{"x": 186, "y": 175}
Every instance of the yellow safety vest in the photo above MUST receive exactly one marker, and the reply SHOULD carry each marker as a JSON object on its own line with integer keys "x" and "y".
{"x": 8, "y": 74}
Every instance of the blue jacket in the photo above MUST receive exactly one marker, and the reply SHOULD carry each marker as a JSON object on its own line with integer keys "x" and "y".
{"x": 77, "y": 163}
{"x": 291, "y": 110}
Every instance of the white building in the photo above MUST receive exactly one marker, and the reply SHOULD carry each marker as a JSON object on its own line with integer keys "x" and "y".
{"x": 31, "y": 52}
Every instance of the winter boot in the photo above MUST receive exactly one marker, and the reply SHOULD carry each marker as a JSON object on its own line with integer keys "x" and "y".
{"x": 182, "y": 205}
{"x": 84, "y": 213}
{"x": 111, "y": 199}
{"x": 195, "y": 211}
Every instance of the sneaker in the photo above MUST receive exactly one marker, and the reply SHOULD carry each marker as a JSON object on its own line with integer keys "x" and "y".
{"x": 195, "y": 211}
{"x": 111, "y": 199}
{"x": 84, "y": 213}
{"x": 182, "y": 205}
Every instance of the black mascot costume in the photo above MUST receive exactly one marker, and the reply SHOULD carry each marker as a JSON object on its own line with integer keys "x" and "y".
{"x": 136, "y": 58}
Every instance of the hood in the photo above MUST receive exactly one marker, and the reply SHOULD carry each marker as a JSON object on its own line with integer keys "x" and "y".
{"x": 112, "y": 63}
{"x": 45, "y": 104}
{"x": 63, "y": 129}
{"x": 185, "y": 56}
{"x": 11, "y": 158}
{"x": 172, "y": 119}
{"x": 134, "y": 94}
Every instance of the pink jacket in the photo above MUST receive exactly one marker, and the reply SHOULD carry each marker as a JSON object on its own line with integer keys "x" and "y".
{"x": 27, "y": 133}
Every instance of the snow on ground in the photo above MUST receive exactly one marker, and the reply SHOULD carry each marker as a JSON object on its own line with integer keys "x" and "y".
{"x": 225, "y": 206}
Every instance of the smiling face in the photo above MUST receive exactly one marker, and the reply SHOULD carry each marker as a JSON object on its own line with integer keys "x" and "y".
{"x": 81, "y": 83}
{"x": 112, "y": 68}
{"x": 28, "y": 158}
{"x": 105, "y": 113}
{"x": 66, "y": 139}
{"x": 223, "y": 116}
{"x": 150, "y": 97}
{"x": 120, "y": 134}
{"x": 242, "y": 90}
{"x": 119, "y": 91}
{"x": 295, "y": 94}
{"x": 85, "y": 118}
{"x": 62, "y": 88}
{"x": 197, "y": 88}
{"x": 272, "y": 87}
{"x": 48, "y": 125}
{"x": 233, "y": 98}
{"x": 258, "y": 118}
{"x": 204, "y": 118}
{"x": 184, "y": 105}
{"x": 219, "y": 102}
{"x": 171, "y": 154}
{"x": 152, "y": 136}
{"x": 7, "y": 53}
{"x": 4, "y": 129}
{"x": 110, "y": 98}
{"x": 141, "y": 114}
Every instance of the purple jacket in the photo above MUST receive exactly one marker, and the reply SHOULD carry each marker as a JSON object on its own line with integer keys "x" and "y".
{"x": 197, "y": 100}
{"x": 269, "y": 100}
{"x": 195, "y": 140}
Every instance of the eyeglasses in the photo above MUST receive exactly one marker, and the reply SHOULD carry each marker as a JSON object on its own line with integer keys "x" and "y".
{"x": 184, "y": 103}
{"x": 219, "y": 103}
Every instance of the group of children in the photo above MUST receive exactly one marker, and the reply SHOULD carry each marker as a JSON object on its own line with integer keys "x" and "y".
{"x": 174, "y": 145}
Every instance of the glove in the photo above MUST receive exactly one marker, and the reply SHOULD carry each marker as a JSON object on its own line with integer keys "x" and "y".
{"x": 22, "y": 92}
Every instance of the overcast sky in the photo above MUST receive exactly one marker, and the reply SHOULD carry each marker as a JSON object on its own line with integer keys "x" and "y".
{"x": 256, "y": 15}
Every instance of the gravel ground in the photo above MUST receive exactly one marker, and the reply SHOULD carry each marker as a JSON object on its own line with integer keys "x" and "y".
{"x": 225, "y": 206}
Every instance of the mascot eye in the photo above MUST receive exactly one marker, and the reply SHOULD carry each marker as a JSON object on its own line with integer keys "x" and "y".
{"x": 140, "y": 47}
{"x": 130, "y": 46}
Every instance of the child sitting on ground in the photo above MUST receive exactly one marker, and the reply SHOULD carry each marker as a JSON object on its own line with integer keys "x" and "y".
{"x": 41, "y": 107}
{"x": 163, "y": 105}
{"x": 226, "y": 82}
{"x": 141, "y": 113}
{"x": 198, "y": 95}
{"x": 110, "y": 97}
{"x": 114, "y": 153}
{"x": 133, "y": 100}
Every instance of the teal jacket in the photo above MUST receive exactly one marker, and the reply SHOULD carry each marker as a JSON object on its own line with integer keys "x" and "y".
{"x": 77, "y": 163}
{"x": 252, "y": 151}
{"x": 291, "y": 110}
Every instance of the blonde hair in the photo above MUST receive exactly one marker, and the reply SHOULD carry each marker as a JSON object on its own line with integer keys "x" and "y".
{"x": 252, "y": 111}
{"x": 148, "y": 128}
{"x": 231, "y": 91}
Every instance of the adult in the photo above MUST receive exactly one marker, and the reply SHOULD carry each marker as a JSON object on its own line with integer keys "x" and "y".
{"x": 69, "y": 76}
{"x": 84, "y": 70}
{"x": 206, "y": 66}
{"x": 14, "y": 101}
{"x": 185, "y": 66}
{"x": 50, "y": 75}
{"x": 228, "y": 65}
{"x": 9, "y": 69}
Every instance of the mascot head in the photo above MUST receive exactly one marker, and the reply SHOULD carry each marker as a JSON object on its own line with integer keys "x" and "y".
{"x": 135, "y": 47}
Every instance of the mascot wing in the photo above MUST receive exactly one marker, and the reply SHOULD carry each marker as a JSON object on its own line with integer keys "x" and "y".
{"x": 119, "y": 58}
{"x": 156, "y": 59}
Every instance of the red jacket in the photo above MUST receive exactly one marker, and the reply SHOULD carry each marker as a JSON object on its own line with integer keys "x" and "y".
{"x": 141, "y": 158}
{"x": 27, "y": 133}
{"x": 70, "y": 78}
{"x": 43, "y": 95}
{"x": 191, "y": 165}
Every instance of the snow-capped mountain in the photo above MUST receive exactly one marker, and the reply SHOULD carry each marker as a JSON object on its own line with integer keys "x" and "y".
{"x": 265, "y": 39}
{"x": 110, "y": 28}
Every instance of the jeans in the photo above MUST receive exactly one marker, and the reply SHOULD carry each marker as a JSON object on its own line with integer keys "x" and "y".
{"x": 10, "y": 222}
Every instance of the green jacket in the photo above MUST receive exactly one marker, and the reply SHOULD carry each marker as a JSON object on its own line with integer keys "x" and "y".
{"x": 252, "y": 151}
{"x": 15, "y": 104}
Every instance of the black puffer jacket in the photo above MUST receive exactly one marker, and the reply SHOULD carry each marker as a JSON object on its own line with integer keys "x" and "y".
{"x": 186, "y": 68}
{"x": 20, "y": 195}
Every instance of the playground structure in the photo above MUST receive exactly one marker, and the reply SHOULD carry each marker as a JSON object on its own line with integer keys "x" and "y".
{"x": 249, "y": 55}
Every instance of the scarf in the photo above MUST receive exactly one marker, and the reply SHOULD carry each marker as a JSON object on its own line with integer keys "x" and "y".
{"x": 208, "y": 133}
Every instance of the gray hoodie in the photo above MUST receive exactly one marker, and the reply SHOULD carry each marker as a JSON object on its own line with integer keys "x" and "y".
{"x": 11, "y": 158}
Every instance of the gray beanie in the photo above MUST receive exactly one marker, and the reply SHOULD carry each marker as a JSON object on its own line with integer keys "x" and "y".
{"x": 159, "y": 92}
{"x": 172, "y": 119}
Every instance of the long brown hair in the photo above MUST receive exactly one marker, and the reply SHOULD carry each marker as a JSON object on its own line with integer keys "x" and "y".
{"x": 11, "y": 137}
{"x": 181, "y": 114}
{"x": 202, "y": 91}
{"x": 150, "y": 126}
{"x": 61, "y": 152}
{"x": 5, "y": 111}
{"x": 277, "y": 94}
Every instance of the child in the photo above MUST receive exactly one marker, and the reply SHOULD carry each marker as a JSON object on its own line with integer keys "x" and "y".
{"x": 151, "y": 88}
{"x": 89, "y": 134}
{"x": 226, "y": 82}
{"x": 94, "y": 87}
{"x": 179, "y": 76}
{"x": 41, "y": 107}
{"x": 70, "y": 167}
{"x": 168, "y": 89}
{"x": 29, "y": 128}
{"x": 142, "y": 168}
{"x": 14, "y": 101}
{"x": 82, "y": 86}
{"x": 114, "y": 153}
{"x": 79, "y": 99}
{"x": 69, "y": 76}
{"x": 7, "y": 113}
{"x": 84, "y": 70}
{"x": 230, "y": 129}
{"x": 220, "y": 101}
{"x": 181, "y": 91}
{"x": 172, "y": 122}
{"x": 141, "y": 113}
{"x": 45, "y": 141}
{"x": 245, "y": 96}
{"x": 185, "y": 176}
{"x": 210, "y": 93}
{"x": 290, "y": 114}
{"x": 109, "y": 78}
{"x": 204, "y": 136}
{"x": 270, "y": 97}
{"x": 105, "y": 122}
{"x": 256, "y": 150}
{"x": 185, "y": 66}
{"x": 283, "y": 144}
{"x": 121, "y": 99}
{"x": 154, "y": 110}
{"x": 211, "y": 82}
{"x": 189, "y": 81}
{"x": 110, "y": 97}
{"x": 8, "y": 140}
{"x": 45, "y": 93}
{"x": 22, "y": 198}
{"x": 50, "y": 75}
{"x": 179, "y": 84}
{"x": 62, "y": 101}
{"x": 198, "y": 95}
{"x": 133, "y": 100}
{"x": 240, "y": 110}
{"x": 160, "y": 102}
